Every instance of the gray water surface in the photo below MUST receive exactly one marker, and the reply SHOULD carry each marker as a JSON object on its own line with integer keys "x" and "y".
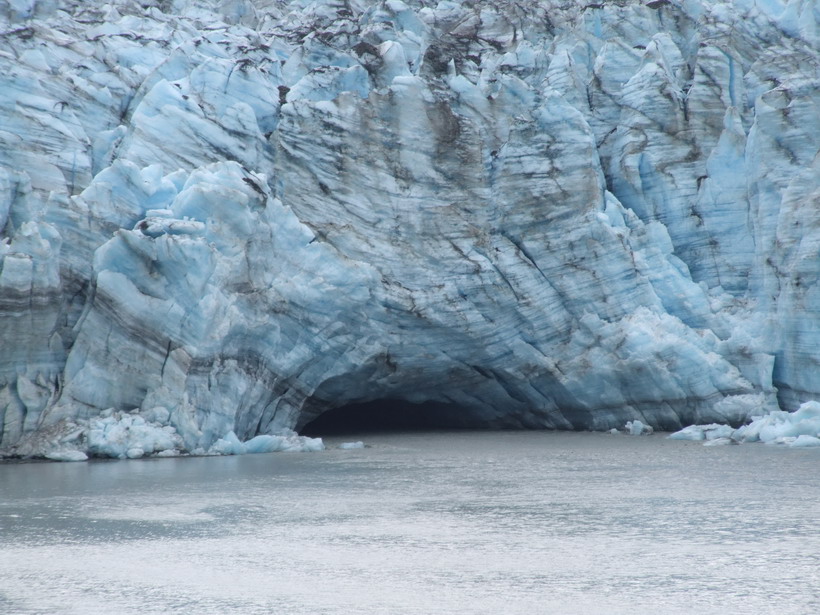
{"x": 457, "y": 522}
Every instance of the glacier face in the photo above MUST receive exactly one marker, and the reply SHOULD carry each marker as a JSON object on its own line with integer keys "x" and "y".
{"x": 236, "y": 215}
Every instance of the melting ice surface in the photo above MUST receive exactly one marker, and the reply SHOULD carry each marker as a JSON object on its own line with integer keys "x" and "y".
{"x": 466, "y": 522}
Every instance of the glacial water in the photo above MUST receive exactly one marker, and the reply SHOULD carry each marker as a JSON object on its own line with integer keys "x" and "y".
{"x": 422, "y": 523}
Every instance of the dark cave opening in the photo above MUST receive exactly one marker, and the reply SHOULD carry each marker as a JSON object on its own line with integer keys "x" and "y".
{"x": 390, "y": 415}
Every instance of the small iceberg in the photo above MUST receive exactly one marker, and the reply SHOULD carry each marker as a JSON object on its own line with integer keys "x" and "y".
{"x": 351, "y": 445}
{"x": 799, "y": 429}
{"x": 637, "y": 428}
{"x": 288, "y": 442}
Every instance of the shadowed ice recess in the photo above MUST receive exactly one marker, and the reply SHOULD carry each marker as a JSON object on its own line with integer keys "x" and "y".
{"x": 220, "y": 220}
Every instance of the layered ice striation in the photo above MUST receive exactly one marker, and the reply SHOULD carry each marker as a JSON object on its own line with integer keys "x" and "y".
{"x": 221, "y": 219}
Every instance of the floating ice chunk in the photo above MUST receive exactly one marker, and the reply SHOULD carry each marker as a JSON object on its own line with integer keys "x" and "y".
{"x": 805, "y": 441}
{"x": 263, "y": 444}
{"x": 313, "y": 445}
{"x": 693, "y": 432}
{"x": 718, "y": 442}
{"x": 780, "y": 424}
{"x": 229, "y": 445}
{"x": 306, "y": 445}
{"x": 129, "y": 436}
{"x": 288, "y": 442}
{"x": 713, "y": 431}
{"x": 351, "y": 445}
{"x": 637, "y": 428}
{"x": 66, "y": 455}
{"x": 794, "y": 429}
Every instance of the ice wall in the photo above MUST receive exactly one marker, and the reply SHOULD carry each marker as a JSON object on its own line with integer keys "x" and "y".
{"x": 545, "y": 214}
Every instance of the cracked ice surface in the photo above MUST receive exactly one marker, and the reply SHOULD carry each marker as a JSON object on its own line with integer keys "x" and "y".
{"x": 543, "y": 214}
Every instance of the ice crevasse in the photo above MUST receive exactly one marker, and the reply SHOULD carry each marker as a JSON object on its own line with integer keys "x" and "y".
{"x": 221, "y": 219}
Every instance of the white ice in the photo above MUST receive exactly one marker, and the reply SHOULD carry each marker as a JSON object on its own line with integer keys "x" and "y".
{"x": 638, "y": 428}
{"x": 793, "y": 429}
{"x": 351, "y": 445}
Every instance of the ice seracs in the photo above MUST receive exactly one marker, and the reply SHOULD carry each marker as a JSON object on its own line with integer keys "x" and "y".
{"x": 534, "y": 214}
{"x": 347, "y": 446}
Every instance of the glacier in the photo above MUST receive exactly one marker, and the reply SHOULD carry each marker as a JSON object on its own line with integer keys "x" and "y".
{"x": 220, "y": 219}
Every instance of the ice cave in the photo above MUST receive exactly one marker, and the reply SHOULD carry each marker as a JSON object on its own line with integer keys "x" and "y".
{"x": 384, "y": 415}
